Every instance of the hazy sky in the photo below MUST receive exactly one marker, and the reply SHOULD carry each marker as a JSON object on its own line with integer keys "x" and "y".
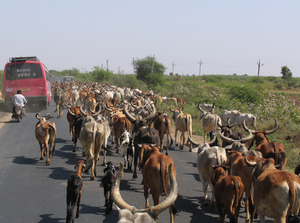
{"x": 228, "y": 36}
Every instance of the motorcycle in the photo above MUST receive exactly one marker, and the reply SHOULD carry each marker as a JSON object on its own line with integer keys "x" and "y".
{"x": 18, "y": 113}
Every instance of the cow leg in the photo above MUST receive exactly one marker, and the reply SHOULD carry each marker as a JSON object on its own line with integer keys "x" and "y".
{"x": 117, "y": 144}
{"x": 262, "y": 218}
{"x": 161, "y": 142}
{"x": 146, "y": 195}
{"x": 135, "y": 164}
{"x": 204, "y": 188}
{"x": 92, "y": 170}
{"x": 221, "y": 212}
{"x": 78, "y": 203}
{"x": 106, "y": 199}
{"x": 182, "y": 140}
{"x": 168, "y": 143}
{"x": 47, "y": 154}
{"x": 104, "y": 157}
{"x": 42, "y": 152}
{"x": 176, "y": 143}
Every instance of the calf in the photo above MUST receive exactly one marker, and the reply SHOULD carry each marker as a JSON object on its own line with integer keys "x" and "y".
{"x": 74, "y": 190}
{"x": 107, "y": 182}
{"x": 228, "y": 193}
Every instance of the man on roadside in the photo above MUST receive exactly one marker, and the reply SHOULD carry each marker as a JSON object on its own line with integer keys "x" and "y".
{"x": 19, "y": 100}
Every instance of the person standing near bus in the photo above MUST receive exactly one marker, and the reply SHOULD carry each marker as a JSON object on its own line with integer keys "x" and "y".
{"x": 19, "y": 100}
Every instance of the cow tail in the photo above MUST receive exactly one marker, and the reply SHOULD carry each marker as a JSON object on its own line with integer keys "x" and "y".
{"x": 164, "y": 172}
{"x": 292, "y": 193}
{"x": 189, "y": 125}
{"x": 236, "y": 194}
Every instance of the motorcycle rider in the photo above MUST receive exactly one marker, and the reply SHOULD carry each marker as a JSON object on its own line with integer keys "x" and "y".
{"x": 19, "y": 100}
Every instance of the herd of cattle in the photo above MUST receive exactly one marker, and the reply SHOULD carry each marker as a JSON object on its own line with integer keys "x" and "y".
{"x": 131, "y": 119}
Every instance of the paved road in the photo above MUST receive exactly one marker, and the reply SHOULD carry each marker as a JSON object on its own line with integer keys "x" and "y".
{"x": 30, "y": 191}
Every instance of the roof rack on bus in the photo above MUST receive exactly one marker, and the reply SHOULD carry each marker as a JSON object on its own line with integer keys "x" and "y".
{"x": 22, "y": 59}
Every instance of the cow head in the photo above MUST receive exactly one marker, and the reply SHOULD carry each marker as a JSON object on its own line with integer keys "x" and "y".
{"x": 260, "y": 136}
{"x": 131, "y": 214}
{"x": 138, "y": 122}
{"x": 176, "y": 112}
{"x": 204, "y": 113}
{"x": 42, "y": 119}
{"x": 204, "y": 146}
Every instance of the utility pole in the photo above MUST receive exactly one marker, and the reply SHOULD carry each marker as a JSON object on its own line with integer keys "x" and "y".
{"x": 153, "y": 64}
{"x": 200, "y": 63}
{"x": 107, "y": 65}
{"x": 259, "y": 65}
{"x": 173, "y": 70}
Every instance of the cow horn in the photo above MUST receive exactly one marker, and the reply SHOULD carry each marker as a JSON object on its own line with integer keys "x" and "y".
{"x": 69, "y": 110}
{"x": 49, "y": 116}
{"x": 246, "y": 128}
{"x": 107, "y": 108}
{"x": 251, "y": 164}
{"x": 212, "y": 141}
{"x": 268, "y": 132}
{"x": 227, "y": 139}
{"x": 115, "y": 191}
{"x": 128, "y": 115}
{"x": 171, "y": 198}
{"x": 66, "y": 104}
{"x": 172, "y": 110}
{"x": 212, "y": 107}
{"x": 200, "y": 107}
{"x": 152, "y": 114}
{"x": 246, "y": 139}
{"x": 82, "y": 112}
{"x": 98, "y": 112}
{"x": 193, "y": 142}
{"x": 37, "y": 116}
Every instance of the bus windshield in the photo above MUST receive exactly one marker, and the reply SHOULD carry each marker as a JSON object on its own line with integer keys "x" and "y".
{"x": 23, "y": 71}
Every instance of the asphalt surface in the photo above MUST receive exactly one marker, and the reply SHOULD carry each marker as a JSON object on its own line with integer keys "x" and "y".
{"x": 32, "y": 192}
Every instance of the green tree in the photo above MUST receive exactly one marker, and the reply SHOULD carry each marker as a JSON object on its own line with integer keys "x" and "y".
{"x": 101, "y": 75}
{"x": 286, "y": 72}
{"x": 143, "y": 67}
{"x": 155, "y": 79}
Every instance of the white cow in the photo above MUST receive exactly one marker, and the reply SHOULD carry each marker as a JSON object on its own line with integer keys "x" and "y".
{"x": 250, "y": 120}
{"x": 226, "y": 115}
{"x": 207, "y": 157}
{"x": 211, "y": 122}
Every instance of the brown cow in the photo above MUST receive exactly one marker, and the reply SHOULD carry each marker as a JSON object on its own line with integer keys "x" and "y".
{"x": 228, "y": 193}
{"x": 276, "y": 192}
{"x": 267, "y": 148}
{"x": 155, "y": 175}
{"x": 72, "y": 112}
{"x": 163, "y": 124}
{"x": 45, "y": 133}
{"x": 238, "y": 167}
{"x": 120, "y": 123}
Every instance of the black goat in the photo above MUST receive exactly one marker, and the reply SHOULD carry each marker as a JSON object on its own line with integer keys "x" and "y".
{"x": 107, "y": 182}
{"x": 74, "y": 189}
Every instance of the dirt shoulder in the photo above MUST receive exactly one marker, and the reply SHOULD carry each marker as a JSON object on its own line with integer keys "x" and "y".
{"x": 4, "y": 118}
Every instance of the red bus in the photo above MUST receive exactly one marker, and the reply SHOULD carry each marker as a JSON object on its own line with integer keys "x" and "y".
{"x": 29, "y": 75}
